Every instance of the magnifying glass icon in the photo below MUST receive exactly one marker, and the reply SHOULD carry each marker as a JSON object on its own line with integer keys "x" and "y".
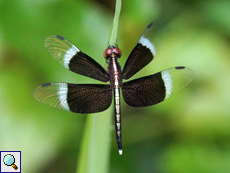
{"x": 9, "y": 160}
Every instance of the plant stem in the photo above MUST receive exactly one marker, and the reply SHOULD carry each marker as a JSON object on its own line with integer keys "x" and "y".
{"x": 113, "y": 34}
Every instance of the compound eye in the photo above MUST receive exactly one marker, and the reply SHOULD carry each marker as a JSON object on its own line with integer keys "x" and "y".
{"x": 117, "y": 51}
{"x": 108, "y": 52}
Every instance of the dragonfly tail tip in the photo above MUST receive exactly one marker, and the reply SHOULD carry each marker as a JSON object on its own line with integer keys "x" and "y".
{"x": 120, "y": 152}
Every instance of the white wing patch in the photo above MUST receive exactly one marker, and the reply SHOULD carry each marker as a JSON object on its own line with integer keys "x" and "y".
{"x": 62, "y": 96}
{"x": 145, "y": 42}
{"x": 69, "y": 55}
{"x": 168, "y": 82}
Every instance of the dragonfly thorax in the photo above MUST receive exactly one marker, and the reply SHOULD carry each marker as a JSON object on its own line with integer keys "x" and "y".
{"x": 114, "y": 70}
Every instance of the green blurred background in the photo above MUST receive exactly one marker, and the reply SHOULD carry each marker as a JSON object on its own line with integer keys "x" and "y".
{"x": 190, "y": 132}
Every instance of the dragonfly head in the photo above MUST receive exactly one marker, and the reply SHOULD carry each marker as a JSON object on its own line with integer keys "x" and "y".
{"x": 112, "y": 52}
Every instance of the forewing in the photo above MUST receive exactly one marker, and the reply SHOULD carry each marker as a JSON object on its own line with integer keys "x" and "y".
{"x": 82, "y": 98}
{"x": 69, "y": 56}
{"x": 153, "y": 89}
{"x": 145, "y": 50}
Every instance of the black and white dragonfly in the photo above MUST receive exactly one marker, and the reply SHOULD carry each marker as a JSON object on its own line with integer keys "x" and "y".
{"x": 93, "y": 98}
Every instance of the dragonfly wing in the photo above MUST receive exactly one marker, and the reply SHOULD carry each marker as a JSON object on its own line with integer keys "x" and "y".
{"x": 69, "y": 56}
{"x": 153, "y": 89}
{"x": 145, "y": 50}
{"x": 82, "y": 98}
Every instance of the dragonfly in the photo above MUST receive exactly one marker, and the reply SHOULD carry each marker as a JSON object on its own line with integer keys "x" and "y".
{"x": 94, "y": 98}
